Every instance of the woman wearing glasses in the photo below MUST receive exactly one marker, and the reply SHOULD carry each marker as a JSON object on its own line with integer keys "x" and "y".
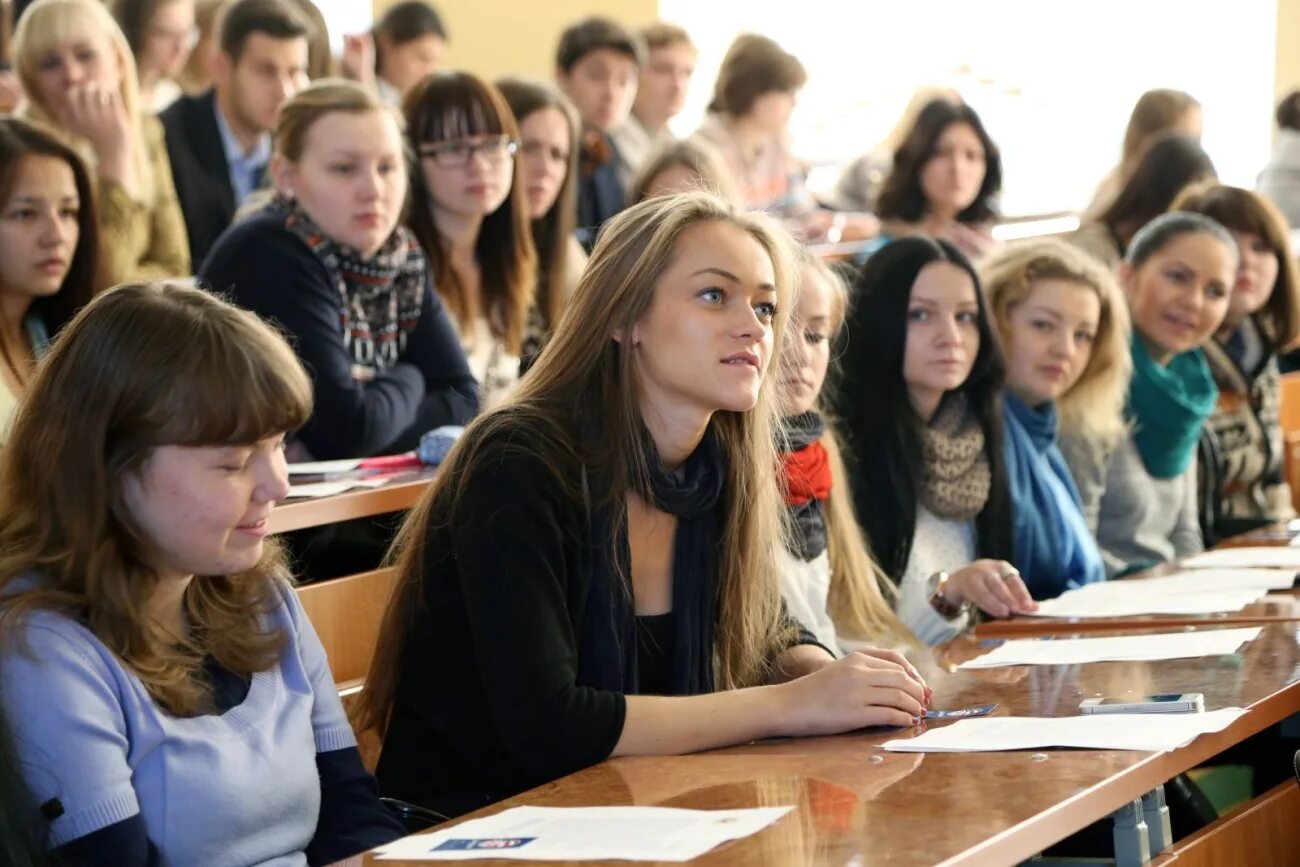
{"x": 328, "y": 261}
{"x": 472, "y": 220}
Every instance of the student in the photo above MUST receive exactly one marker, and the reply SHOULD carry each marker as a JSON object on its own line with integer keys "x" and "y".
{"x": 1155, "y": 113}
{"x": 320, "y": 54}
{"x": 946, "y": 176}
{"x": 197, "y": 74}
{"x": 860, "y": 182}
{"x": 1171, "y": 163}
{"x": 48, "y": 249}
{"x": 1177, "y": 274}
{"x": 1245, "y": 481}
{"x": 828, "y": 580}
{"x": 544, "y": 544}
{"x": 220, "y": 141}
{"x": 160, "y": 717}
{"x": 328, "y": 261}
{"x": 160, "y": 33}
{"x": 660, "y": 95}
{"x": 548, "y": 175}
{"x": 680, "y": 167}
{"x": 410, "y": 41}
{"x": 926, "y": 452}
{"x": 471, "y": 219}
{"x": 596, "y": 66}
{"x": 1280, "y": 179}
{"x": 80, "y": 78}
{"x": 1064, "y": 330}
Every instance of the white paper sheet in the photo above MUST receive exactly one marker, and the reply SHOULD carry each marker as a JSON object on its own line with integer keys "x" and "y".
{"x": 1198, "y": 591}
{"x": 1120, "y": 731}
{"x": 1260, "y": 558}
{"x": 586, "y": 833}
{"x": 328, "y": 489}
{"x": 1115, "y": 648}
{"x": 308, "y": 468}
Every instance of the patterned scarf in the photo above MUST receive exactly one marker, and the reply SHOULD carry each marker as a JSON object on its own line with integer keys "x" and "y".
{"x": 381, "y": 296}
{"x": 955, "y": 478}
{"x": 807, "y": 483}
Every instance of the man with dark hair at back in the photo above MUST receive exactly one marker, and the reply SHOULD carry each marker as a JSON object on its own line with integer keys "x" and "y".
{"x": 1280, "y": 180}
{"x": 597, "y": 66}
{"x": 220, "y": 141}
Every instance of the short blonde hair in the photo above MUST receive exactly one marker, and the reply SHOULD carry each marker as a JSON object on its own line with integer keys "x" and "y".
{"x": 1094, "y": 406}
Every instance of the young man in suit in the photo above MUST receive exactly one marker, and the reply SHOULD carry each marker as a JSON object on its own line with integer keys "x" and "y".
{"x": 220, "y": 141}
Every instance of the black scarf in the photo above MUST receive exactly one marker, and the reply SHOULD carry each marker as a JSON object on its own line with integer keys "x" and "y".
{"x": 380, "y": 297}
{"x": 807, "y": 520}
{"x": 607, "y": 647}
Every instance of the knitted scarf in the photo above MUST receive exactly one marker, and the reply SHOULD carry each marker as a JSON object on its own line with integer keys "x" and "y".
{"x": 381, "y": 297}
{"x": 807, "y": 483}
{"x": 1169, "y": 406}
{"x": 955, "y": 475}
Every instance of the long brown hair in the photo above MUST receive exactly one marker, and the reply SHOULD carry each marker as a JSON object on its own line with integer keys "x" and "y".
{"x": 553, "y": 231}
{"x": 448, "y": 105}
{"x": 143, "y": 365}
{"x": 861, "y": 599}
{"x": 584, "y": 373}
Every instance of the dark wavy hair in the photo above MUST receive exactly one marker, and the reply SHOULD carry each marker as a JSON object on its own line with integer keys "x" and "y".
{"x": 878, "y": 423}
{"x": 1171, "y": 163}
{"x": 901, "y": 197}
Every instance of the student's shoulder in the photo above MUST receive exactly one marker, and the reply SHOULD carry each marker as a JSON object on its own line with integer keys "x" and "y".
{"x": 522, "y": 451}
{"x": 257, "y": 243}
{"x": 53, "y": 642}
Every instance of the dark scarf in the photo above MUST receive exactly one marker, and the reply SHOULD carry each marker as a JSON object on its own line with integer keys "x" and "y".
{"x": 380, "y": 297}
{"x": 1169, "y": 406}
{"x": 607, "y": 647}
{"x": 955, "y": 474}
{"x": 807, "y": 484}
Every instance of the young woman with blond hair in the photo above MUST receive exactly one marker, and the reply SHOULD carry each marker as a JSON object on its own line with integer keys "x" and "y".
{"x": 594, "y": 572}
{"x": 169, "y": 700}
{"x": 1064, "y": 330}
{"x": 80, "y": 79}
{"x": 829, "y": 580}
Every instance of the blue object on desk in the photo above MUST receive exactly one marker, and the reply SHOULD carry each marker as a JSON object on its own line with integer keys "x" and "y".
{"x": 437, "y": 443}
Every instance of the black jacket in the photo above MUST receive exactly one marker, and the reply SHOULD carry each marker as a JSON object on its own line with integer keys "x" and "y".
{"x": 199, "y": 169}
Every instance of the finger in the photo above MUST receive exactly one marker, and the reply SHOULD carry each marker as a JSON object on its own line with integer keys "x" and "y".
{"x": 885, "y": 716}
{"x": 898, "y": 658}
{"x": 982, "y": 595}
{"x": 895, "y": 698}
{"x": 1020, "y": 593}
{"x": 895, "y": 681}
{"x": 998, "y": 587}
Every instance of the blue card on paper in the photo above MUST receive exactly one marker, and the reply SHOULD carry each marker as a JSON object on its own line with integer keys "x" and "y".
{"x": 960, "y": 713}
{"x": 483, "y": 843}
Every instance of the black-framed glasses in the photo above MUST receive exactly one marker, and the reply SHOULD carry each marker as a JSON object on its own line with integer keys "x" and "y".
{"x": 457, "y": 153}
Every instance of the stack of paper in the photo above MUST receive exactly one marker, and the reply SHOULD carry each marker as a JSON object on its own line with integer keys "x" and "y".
{"x": 1118, "y": 648}
{"x": 1260, "y": 558}
{"x": 1201, "y": 591}
{"x": 329, "y": 489}
{"x": 586, "y": 833}
{"x": 1120, "y": 731}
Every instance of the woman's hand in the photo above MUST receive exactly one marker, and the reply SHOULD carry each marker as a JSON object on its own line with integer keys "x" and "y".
{"x": 358, "y": 59}
{"x": 994, "y": 585}
{"x": 97, "y": 114}
{"x": 869, "y": 687}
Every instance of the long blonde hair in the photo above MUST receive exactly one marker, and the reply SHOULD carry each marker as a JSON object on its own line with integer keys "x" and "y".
{"x": 862, "y": 598}
{"x": 1094, "y": 406}
{"x": 585, "y": 374}
{"x": 141, "y": 366}
{"x": 48, "y": 23}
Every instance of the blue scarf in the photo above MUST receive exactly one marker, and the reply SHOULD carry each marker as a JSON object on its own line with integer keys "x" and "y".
{"x": 1054, "y": 550}
{"x": 1169, "y": 406}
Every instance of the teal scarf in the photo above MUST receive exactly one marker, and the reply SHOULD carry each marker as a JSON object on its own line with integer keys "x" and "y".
{"x": 1168, "y": 407}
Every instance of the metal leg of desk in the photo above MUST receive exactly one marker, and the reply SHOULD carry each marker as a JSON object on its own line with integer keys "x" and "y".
{"x": 1131, "y": 836}
{"x": 1156, "y": 815}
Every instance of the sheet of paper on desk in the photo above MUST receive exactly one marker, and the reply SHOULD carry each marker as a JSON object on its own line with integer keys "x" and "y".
{"x": 1119, "y": 731}
{"x": 1115, "y": 648}
{"x": 311, "y": 468}
{"x": 329, "y": 489}
{"x": 1186, "y": 593}
{"x": 1259, "y": 558}
{"x": 586, "y": 833}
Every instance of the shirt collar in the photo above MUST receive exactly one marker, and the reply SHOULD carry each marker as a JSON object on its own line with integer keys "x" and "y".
{"x": 235, "y": 154}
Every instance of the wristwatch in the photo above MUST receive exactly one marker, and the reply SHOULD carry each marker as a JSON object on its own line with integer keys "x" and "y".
{"x": 946, "y": 608}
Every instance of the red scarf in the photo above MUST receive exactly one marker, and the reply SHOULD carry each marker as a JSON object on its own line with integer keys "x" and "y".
{"x": 807, "y": 474}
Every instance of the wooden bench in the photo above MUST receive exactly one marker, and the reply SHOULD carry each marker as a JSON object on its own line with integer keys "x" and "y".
{"x": 1262, "y": 831}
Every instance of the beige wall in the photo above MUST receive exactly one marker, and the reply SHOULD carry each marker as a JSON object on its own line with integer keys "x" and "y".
{"x": 495, "y": 37}
{"x": 1288, "y": 47}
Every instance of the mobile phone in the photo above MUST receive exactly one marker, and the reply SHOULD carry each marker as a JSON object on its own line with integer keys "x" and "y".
{"x": 1174, "y": 702}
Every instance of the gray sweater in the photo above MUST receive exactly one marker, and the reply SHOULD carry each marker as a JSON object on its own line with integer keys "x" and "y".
{"x": 1138, "y": 520}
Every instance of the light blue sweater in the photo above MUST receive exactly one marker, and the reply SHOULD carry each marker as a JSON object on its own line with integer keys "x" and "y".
{"x": 235, "y": 788}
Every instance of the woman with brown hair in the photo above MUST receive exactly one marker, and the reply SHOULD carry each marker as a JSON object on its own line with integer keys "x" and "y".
{"x": 170, "y": 701}
{"x": 594, "y": 572}
{"x": 1242, "y": 480}
{"x": 161, "y": 34}
{"x": 49, "y": 244}
{"x": 679, "y": 167}
{"x": 472, "y": 219}
{"x": 548, "y": 174}
{"x": 80, "y": 78}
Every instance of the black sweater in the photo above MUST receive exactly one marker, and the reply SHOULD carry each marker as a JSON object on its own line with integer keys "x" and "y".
{"x": 264, "y": 267}
{"x": 488, "y": 703}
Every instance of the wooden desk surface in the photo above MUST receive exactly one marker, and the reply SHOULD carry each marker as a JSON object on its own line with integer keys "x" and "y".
{"x": 859, "y": 804}
{"x": 361, "y": 503}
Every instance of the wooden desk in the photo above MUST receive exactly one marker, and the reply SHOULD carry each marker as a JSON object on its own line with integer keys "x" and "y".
{"x": 396, "y": 496}
{"x": 858, "y": 804}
